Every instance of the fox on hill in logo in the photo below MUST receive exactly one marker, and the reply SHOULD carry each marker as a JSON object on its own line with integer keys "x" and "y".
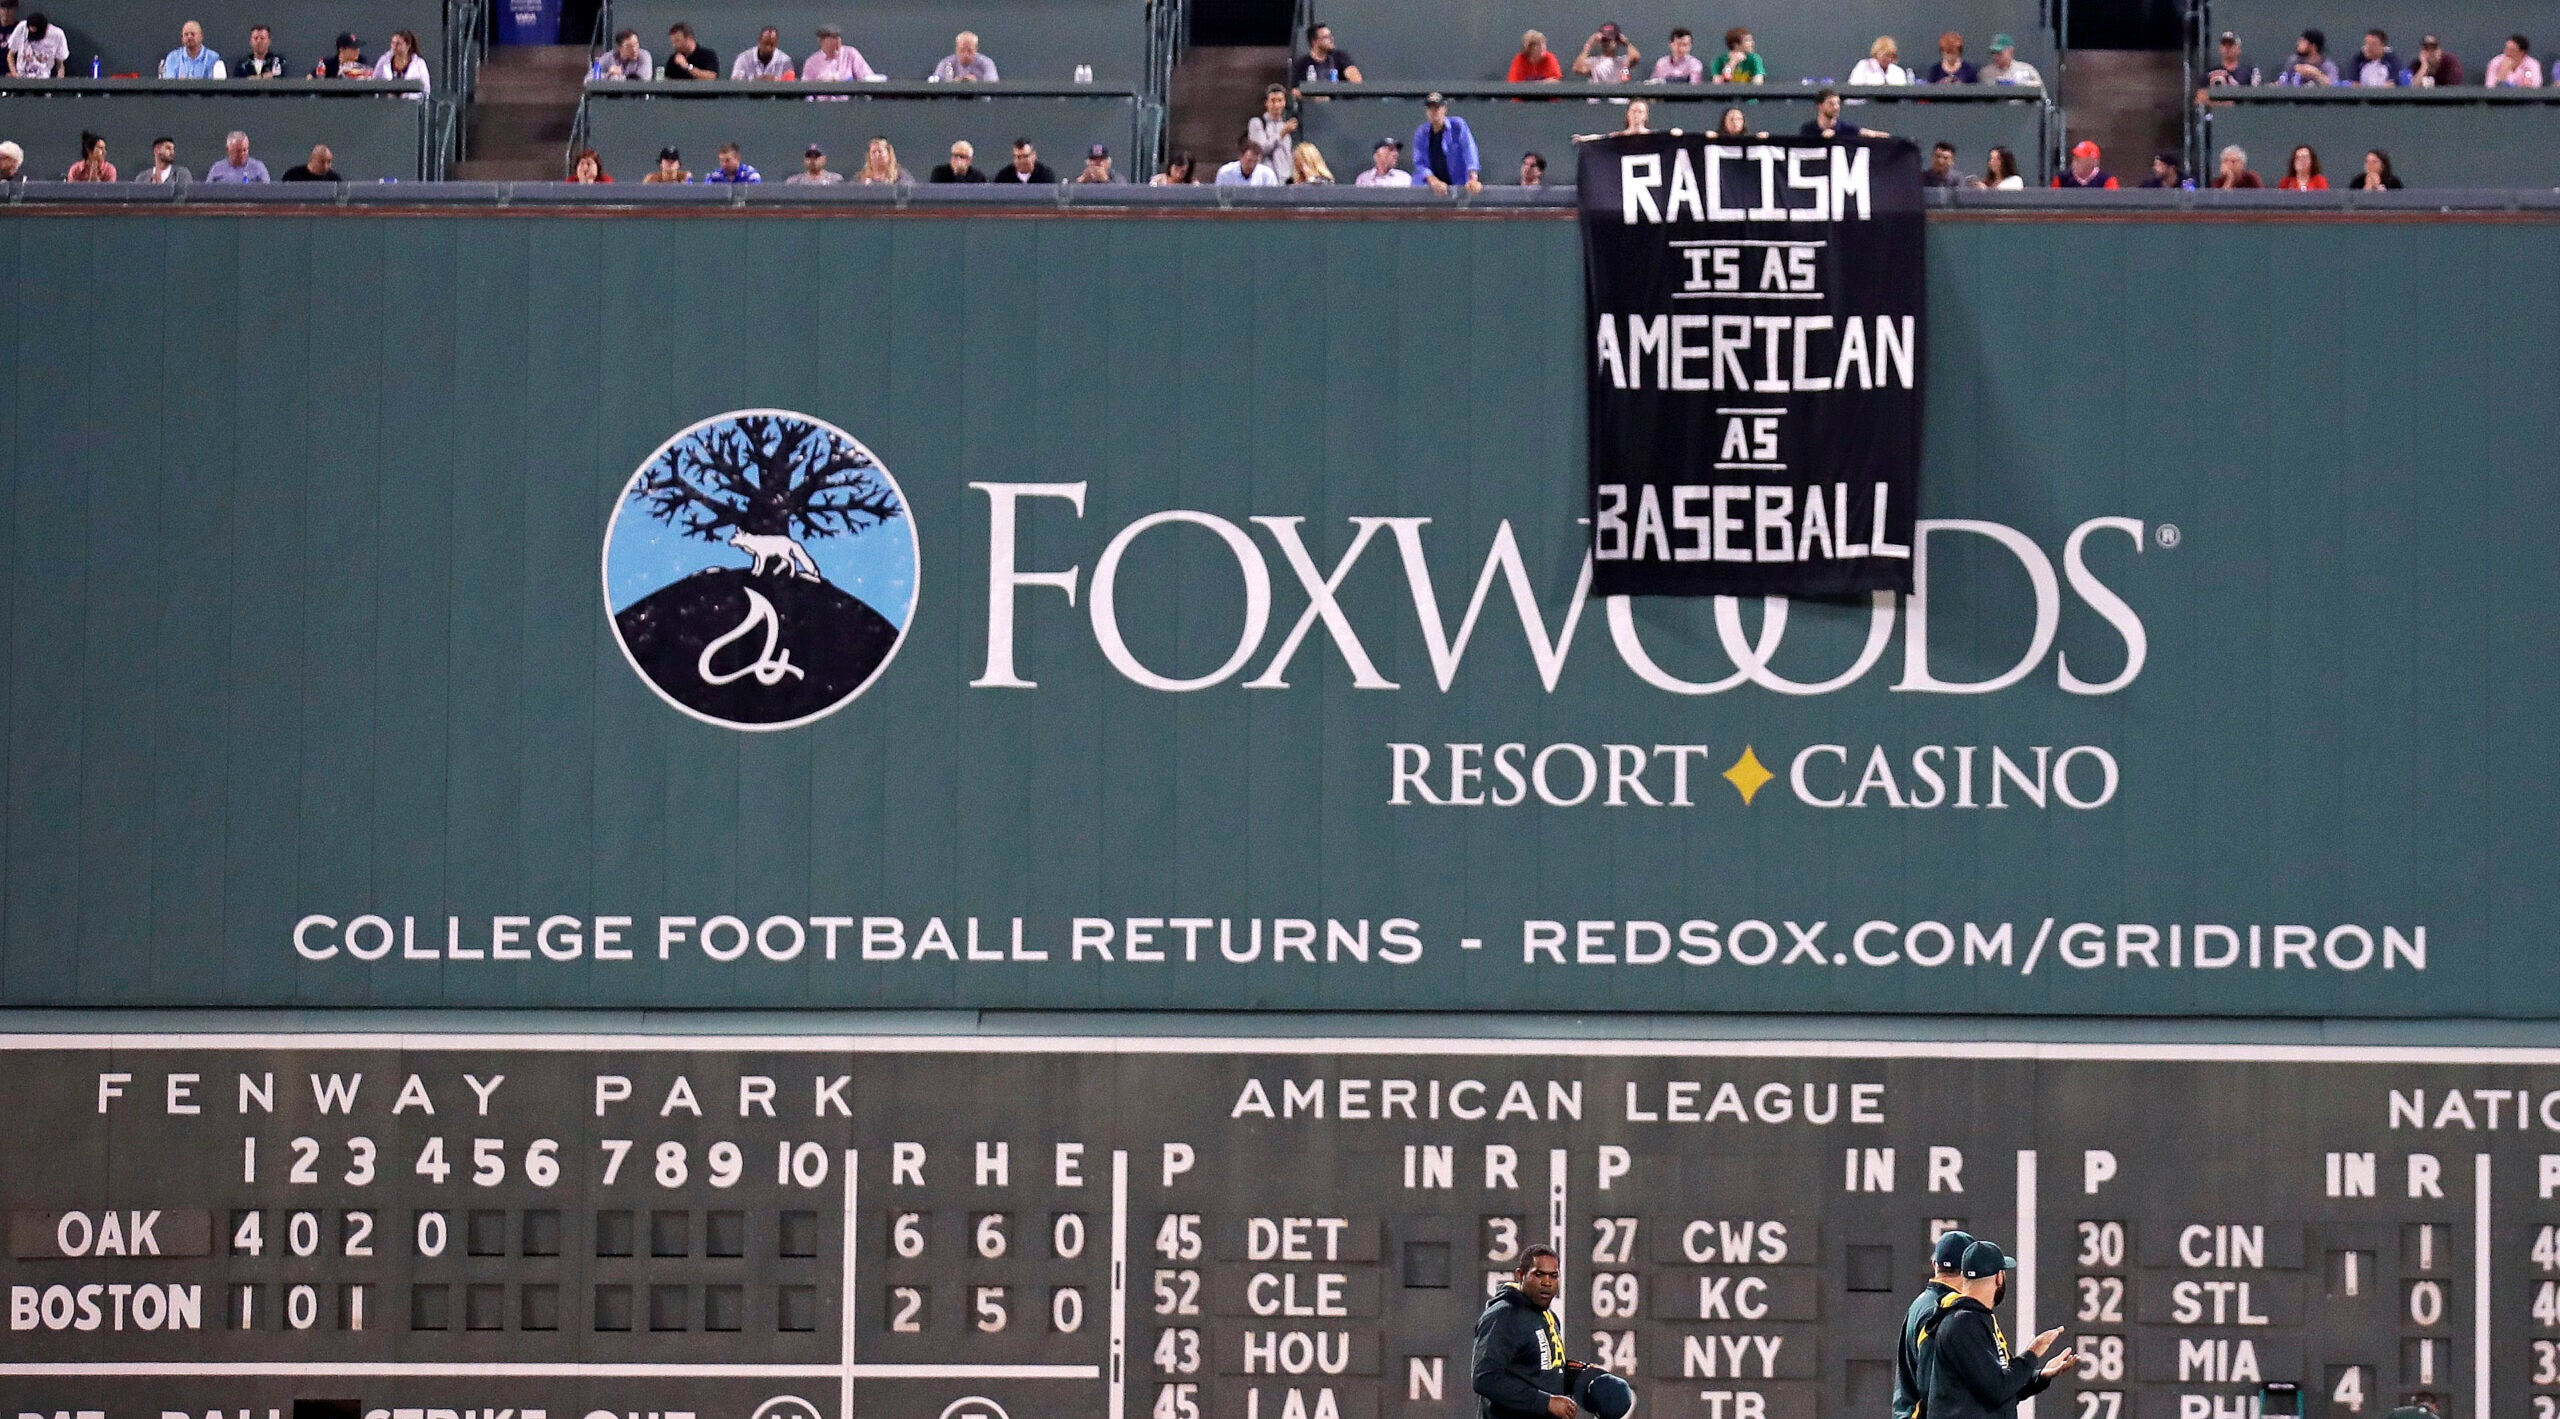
{"x": 760, "y": 569}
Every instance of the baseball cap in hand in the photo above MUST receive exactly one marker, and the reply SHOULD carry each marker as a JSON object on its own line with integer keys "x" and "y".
{"x": 1986, "y": 1259}
{"x": 1949, "y": 1252}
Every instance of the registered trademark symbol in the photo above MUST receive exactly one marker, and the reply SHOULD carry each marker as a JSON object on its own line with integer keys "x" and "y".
{"x": 2167, "y": 535}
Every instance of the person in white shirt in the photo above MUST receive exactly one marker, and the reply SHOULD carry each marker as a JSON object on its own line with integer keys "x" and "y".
{"x": 626, "y": 60}
{"x": 1383, "y": 171}
{"x": 2006, "y": 67}
{"x": 1248, "y": 170}
{"x": 836, "y": 62}
{"x": 37, "y": 49}
{"x": 1273, "y": 130}
{"x": 1608, "y": 57}
{"x": 765, "y": 61}
{"x": 1881, "y": 66}
{"x": 964, "y": 63}
{"x": 401, "y": 61}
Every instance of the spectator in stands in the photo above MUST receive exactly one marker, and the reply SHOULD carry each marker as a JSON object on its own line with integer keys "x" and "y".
{"x": 2514, "y": 67}
{"x": 2435, "y": 67}
{"x": 191, "y": 60}
{"x": 2005, "y": 66}
{"x": 1535, "y": 63}
{"x": 1274, "y": 129}
{"x": 1679, "y": 65}
{"x": 813, "y": 170}
{"x": 1248, "y": 170}
{"x": 880, "y": 165}
{"x": 1097, "y": 166}
{"x": 1382, "y": 170}
{"x": 2168, "y": 172}
{"x": 1941, "y": 171}
{"x": 1533, "y": 170}
{"x": 93, "y": 165}
{"x": 1741, "y": 63}
{"x": 2232, "y": 173}
{"x": 588, "y": 167}
{"x": 734, "y": 170}
{"x": 1827, "y": 122}
{"x": 962, "y": 167}
{"x": 2302, "y": 171}
{"x": 1026, "y": 170}
{"x": 965, "y": 63}
{"x": 670, "y": 169}
{"x": 236, "y": 164}
{"x": 1734, "y": 124}
{"x": 1608, "y": 57}
{"x": 1178, "y": 171}
{"x": 766, "y": 61}
{"x": 347, "y": 61}
{"x": 625, "y": 61}
{"x": 262, "y": 61}
{"x": 2084, "y": 170}
{"x": 1882, "y": 64}
{"x": 13, "y": 160}
{"x": 2377, "y": 175}
{"x": 1307, "y": 167}
{"x": 836, "y": 62}
{"x": 2311, "y": 62}
{"x": 2000, "y": 172}
{"x": 2375, "y": 66}
{"x": 1444, "y": 148}
{"x": 321, "y": 166}
{"x": 2233, "y": 69}
{"x": 37, "y": 49}
{"x": 1639, "y": 119}
{"x": 1951, "y": 67}
{"x": 1324, "y": 62}
{"x": 687, "y": 57}
{"x": 164, "y": 167}
{"x": 402, "y": 61}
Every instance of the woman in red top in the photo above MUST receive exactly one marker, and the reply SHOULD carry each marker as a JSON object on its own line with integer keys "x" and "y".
{"x": 93, "y": 165}
{"x": 2302, "y": 172}
{"x": 588, "y": 167}
{"x": 1535, "y": 63}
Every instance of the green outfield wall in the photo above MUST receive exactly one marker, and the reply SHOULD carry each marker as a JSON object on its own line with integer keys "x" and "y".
{"x": 1216, "y": 589}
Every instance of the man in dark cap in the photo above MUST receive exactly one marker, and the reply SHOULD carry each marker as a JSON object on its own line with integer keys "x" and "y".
{"x": 1946, "y": 1266}
{"x": 1966, "y": 1369}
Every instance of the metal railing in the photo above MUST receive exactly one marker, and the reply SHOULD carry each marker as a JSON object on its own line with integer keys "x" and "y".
{"x": 1168, "y": 34}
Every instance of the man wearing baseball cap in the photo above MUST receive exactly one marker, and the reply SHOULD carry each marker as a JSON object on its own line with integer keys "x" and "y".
{"x": 1966, "y": 1369}
{"x": 2005, "y": 67}
{"x": 1946, "y": 1265}
{"x": 2084, "y": 170}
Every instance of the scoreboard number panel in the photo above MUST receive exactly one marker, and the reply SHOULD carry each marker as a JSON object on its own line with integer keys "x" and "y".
{"x": 530, "y": 1227}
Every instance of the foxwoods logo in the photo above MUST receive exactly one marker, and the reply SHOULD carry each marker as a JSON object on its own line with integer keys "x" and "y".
{"x": 760, "y": 569}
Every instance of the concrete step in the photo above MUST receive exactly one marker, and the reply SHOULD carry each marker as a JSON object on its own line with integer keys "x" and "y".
{"x": 525, "y": 108}
{"x": 506, "y": 170}
{"x": 2129, "y": 102}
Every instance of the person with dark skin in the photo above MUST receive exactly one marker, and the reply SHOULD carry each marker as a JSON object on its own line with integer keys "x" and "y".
{"x": 1519, "y": 1349}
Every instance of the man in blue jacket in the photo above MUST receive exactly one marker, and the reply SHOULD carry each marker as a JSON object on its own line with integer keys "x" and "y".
{"x": 1444, "y": 150}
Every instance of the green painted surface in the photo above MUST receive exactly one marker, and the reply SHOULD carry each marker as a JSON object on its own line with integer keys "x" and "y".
{"x": 627, "y": 131}
{"x": 2432, "y": 145}
{"x": 303, "y": 520}
{"x": 370, "y": 137}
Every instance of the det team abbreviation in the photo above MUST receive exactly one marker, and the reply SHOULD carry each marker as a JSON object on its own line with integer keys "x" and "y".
{"x": 1354, "y": 943}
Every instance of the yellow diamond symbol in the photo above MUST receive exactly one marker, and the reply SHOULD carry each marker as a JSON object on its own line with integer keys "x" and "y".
{"x": 1748, "y": 775}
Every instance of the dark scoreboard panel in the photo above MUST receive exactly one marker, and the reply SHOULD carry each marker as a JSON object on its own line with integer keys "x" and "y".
{"x": 532, "y": 1227}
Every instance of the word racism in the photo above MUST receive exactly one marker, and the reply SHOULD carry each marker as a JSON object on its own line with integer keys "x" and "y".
{"x": 1753, "y": 372}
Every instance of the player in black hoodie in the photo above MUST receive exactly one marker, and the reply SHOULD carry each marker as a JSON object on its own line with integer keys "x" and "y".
{"x": 1967, "y": 1371}
{"x": 1520, "y": 1368}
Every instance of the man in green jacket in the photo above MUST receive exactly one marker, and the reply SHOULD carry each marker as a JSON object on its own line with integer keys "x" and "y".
{"x": 1946, "y": 1262}
{"x": 1966, "y": 1369}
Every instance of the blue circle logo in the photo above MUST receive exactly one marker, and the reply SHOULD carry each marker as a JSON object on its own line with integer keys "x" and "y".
{"x": 760, "y": 569}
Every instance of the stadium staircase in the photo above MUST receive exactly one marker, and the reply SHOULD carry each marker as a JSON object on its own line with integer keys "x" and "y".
{"x": 2130, "y": 101}
{"x": 1216, "y": 89}
{"x": 521, "y": 114}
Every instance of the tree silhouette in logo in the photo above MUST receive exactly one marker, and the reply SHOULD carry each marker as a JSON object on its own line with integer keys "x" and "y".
{"x": 767, "y": 477}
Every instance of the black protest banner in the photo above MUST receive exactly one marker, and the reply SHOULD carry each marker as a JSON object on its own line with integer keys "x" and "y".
{"x": 1754, "y": 310}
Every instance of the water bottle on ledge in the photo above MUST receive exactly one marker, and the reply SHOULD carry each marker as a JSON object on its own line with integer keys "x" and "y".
{"x": 1084, "y": 73}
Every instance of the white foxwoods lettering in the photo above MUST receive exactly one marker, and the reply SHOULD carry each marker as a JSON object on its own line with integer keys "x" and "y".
{"x": 1735, "y": 182}
{"x": 1721, "y": 528}
{"x": 1742, "y": 522}
{"x": 1757, "y": 354}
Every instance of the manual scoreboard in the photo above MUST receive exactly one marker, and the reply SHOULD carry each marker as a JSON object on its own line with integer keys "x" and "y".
{"x": 582, "y": 1227}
